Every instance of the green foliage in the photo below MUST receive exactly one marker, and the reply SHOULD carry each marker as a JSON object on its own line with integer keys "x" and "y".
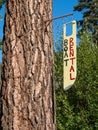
{"x": 0, "y": 44}
{"x": 0, "y": 16}
{"x": 87, "y": 81}
{"x": 1, "y": 2}
{"x": 89, "y": 8}
{"x": 77, "y": 108}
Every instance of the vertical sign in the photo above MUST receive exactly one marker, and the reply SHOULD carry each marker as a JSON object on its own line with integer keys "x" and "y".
{"x": 69, "y": 57}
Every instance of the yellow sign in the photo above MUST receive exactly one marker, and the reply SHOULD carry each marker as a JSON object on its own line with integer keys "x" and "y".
{"x": 69, "y": 57}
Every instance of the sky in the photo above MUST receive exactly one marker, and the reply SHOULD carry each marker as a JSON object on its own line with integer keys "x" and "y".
{"x": 60, "y": 7}
{"x": 2, "y": 12}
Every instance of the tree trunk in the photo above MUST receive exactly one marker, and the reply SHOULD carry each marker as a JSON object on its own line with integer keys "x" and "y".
{"x": 27, "y": 73}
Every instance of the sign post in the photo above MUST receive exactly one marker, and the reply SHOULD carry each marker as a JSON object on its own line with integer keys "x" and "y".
{"x": 69, "y": 57}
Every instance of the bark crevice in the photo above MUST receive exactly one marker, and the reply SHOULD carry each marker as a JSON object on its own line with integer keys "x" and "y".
{"x": 27, "y": 72}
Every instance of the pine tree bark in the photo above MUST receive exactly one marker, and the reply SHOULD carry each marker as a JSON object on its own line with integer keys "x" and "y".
{"x": 28, "y": 101}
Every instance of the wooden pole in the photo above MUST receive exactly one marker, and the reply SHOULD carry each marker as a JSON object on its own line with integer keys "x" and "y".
{"x": 58, "y": 17}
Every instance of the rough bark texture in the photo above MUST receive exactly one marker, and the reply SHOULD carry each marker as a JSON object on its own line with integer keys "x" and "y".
{"x": 27, "y": 73}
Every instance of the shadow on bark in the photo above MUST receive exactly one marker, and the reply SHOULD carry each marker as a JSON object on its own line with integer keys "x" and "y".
{"x": 0, "y": 99}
